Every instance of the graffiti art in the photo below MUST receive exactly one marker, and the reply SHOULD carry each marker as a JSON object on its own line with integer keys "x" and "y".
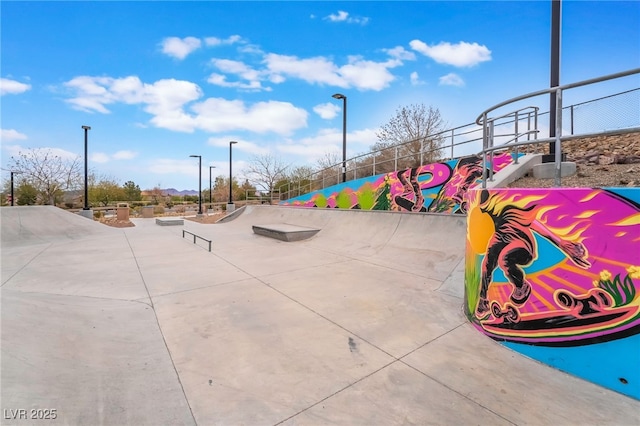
{"x": 553, "y": 267}
{"x": 437, "y": 187}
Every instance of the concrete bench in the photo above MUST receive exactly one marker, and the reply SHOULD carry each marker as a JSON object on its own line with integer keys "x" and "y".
{"x": 285, "y": 232}
{"x": 169, "y": 221}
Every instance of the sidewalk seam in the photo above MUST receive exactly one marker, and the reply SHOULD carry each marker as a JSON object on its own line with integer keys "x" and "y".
{"x": 164, "y": 340}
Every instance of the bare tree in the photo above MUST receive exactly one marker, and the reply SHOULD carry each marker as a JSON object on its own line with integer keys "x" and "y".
{"x": 329, "y": 170}
{"x": 265, "y": 170}
{"x": 48, "y": 172}
{"x": 414, "y": 130}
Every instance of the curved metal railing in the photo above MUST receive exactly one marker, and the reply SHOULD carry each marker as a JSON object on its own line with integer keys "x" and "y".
{"x": 512, "y": 130}
{"x": 488, "y": 124}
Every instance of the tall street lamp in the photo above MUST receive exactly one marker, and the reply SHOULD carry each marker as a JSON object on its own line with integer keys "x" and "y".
{"x": 13, "y": 173}
{"x": 86, "y": 212}
{"x": 210, "y": 187}
{"x": 554, "y": 80}
{"x": 199, "y": 157}
{"x": 344, "y": 134}
{"x": 230, "y": 206}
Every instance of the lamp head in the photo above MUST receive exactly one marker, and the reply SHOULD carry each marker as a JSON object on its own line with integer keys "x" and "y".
{"x": 339, "y": 96}
{"x": 232, "y": 142}
{"x": 195, "y": 156}
{"x": 86, "y": 127}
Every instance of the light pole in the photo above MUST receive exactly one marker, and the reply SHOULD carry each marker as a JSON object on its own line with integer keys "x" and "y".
{"x": 13, "y": 173}
{"x": 554, "y": 81}
{"x": 230, "y": 206}
{"x": 344, "y": 134}
{"x": 210, "y": 187}
{"x": 86, "y": 212}
{"x": 199, "y": 157}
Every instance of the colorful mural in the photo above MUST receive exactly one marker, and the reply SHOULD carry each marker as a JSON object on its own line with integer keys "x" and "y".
{"x": 438, "y": 187}
{"x": 557, "y": 268}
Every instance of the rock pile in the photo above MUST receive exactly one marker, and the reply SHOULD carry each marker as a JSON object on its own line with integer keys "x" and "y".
{"x": 599, "y": 150}
{"x": 604, "y": 150}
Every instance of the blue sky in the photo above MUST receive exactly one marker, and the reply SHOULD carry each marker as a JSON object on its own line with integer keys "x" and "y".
{"x": 159, "y": 81}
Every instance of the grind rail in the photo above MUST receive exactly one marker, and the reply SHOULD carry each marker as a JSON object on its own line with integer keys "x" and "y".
{"x": 195, "y": 237}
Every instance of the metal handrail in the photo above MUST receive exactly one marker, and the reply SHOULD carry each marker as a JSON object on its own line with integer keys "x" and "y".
{"x": 553, "y": 89}
{"x": 196, "y": 236}
{"x": 487, "y": 123}
{"x": 364, "y": 164}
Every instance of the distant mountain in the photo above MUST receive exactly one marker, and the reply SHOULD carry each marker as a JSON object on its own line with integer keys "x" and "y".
{"x": 173, "y": 191}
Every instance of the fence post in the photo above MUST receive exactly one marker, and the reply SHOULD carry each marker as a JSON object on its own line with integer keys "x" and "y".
{"x": 395, "y": 162}
{"x": 490, "y": 141}
{"x": 571, "y": 119}
{"x": 452, "y": 137}
{"x": 517, "y": 137}
{"x": 558, "y": 153}
{"x": 484, "y": 152}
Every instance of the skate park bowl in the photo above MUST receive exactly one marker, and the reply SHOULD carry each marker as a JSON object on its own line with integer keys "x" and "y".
{"x": 573, "y": 251}
{"x": 363, "y": 323}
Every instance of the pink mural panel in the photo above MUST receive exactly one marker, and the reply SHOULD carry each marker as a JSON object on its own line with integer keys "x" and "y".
{"x": 553, "y": 266}
{"x": 438, "y": 187}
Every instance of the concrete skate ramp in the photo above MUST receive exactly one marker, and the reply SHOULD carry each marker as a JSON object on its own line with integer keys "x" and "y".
{"x": 359, "y": 324}
{"x": 429, "y": 245}
{"x": 25, "y": 225}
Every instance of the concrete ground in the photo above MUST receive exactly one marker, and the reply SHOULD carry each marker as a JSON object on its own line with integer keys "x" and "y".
{"x": 361, "y": 324}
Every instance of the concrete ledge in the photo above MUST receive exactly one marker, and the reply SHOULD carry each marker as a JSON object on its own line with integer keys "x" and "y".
{"x": 513, "y": 171}
{"x": 548, "y": 170}
{"x": 285, "y": 232}
{"x": 169, "y": 221}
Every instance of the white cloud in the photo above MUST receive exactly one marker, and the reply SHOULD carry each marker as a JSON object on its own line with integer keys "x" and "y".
{"x": 14, "y": 150}
{"x": 215, "y": 41}
{"x": 240, "y": 69}
{"x": 221, "y": 80}
{"x": 242, "y": 145}
{"x": 329, "y": 141}
{"x": 451, "y": 79}
{"x": 11, "y": 135}
{"x": 401, "y": 53}
{"x": 462, "y": 54}
{"x": 166, "y": 101}
{"x": 327, "y": 111}
{"x": 12, "y": 87}
{"x": 343, "y": 16}
{"x": 163, "y": 99}
{"x": 180, "y": 47}
{"x": 125, "y": 155}
{"x": 415, "y": 79}
{"x": 99, "y": 157}
{"x": 359, "y": 73}
{"x": 218, "y": 115}
{"x": 189, "y": 167}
